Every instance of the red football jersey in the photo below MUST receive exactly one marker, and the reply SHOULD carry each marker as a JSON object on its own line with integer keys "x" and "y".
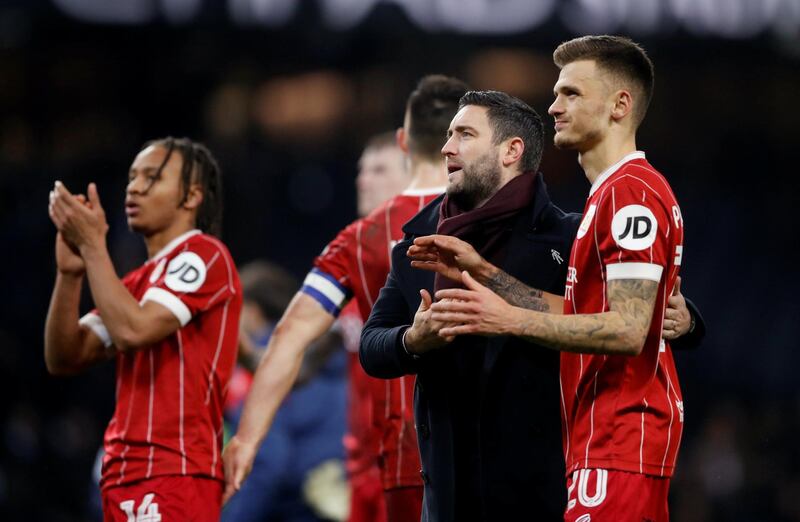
{"x": 169, "y": 398}
{"x": 622, "y": 412}
{"x": 356, "y": 263}
{"x": 361, "y": 440}
{"x": 367, "y": 503}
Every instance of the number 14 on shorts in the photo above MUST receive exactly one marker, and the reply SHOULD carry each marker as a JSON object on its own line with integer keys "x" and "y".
{"x": 147, "y": 512}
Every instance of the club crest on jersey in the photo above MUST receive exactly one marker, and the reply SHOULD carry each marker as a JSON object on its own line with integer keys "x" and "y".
{"x": 185, "y": 273}
{"x": 634, "y": 227}
{"x": 586, "y": 221}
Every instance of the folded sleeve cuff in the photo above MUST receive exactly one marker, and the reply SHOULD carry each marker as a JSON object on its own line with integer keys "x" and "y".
{"x": 95, "y": 323}
{"x": 647, "y": 271}
{"x": 170, "y": 301}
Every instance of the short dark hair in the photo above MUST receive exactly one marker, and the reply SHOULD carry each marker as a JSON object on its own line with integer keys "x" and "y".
{"x": 511, "y": 117}
{"x": 199, "y": 166}
{"x": 269, "y": 286}
{"x": 431, "y": 107}
{"x": 618, "y": 55}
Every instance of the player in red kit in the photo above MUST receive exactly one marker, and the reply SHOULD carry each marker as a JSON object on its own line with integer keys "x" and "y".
{"x": 171, "y": 325}
{"x": 355, "y": 264}
{"x": 621, "y": 402}
{"x": 382, "y": 174}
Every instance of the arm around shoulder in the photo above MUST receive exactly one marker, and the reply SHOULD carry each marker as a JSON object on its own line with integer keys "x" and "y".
{"x": 697, "y": 330}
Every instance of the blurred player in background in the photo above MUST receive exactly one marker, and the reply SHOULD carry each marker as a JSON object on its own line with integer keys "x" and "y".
{"x": 306, "y": 435}
{"x": 171, "y": 325}
{"x": 382, "y": 174}
{"x": 356, "y": 263}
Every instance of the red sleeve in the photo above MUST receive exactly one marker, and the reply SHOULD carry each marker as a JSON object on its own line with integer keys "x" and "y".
{"x": 632, "y": 231}
{"x": 329, "y": 282}
{"x": 194, "y": 280}
{"x": 335, "y": 259}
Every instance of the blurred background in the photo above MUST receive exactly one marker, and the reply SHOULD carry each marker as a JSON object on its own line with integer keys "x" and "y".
{"x": 285, "y": 92}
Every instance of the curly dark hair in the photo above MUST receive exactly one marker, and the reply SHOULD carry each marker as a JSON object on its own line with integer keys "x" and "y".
{"x": 199, "y": 166}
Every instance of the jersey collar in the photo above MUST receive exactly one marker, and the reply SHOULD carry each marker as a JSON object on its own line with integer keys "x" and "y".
{"x": 433, "y": 191}
{"x": 175, "y": 242}
{"x": 613, "y": 168}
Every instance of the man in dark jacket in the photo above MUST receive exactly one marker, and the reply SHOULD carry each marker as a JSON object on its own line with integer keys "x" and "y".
{"x": 487, "y": 409}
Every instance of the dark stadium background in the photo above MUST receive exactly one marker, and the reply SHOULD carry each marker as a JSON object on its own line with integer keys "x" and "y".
{"x": 285, "y": 98}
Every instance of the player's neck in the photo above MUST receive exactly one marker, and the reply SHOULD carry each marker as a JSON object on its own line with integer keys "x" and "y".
{"x": 427, "y": 175}
{"x": 596, "y": 160}
{"x": 158, "y": 240}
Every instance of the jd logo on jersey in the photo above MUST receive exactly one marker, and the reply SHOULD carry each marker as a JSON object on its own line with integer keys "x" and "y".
{"x": 634, "y": 227}
{"x": 639, "y": 225}
{"x": 185, "y": 273}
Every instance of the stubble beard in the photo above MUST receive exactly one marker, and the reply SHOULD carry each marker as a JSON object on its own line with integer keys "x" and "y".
{"x": 578, "y": 142}
{"x": 479, "y": 182}
{"x": 563, "y": 142}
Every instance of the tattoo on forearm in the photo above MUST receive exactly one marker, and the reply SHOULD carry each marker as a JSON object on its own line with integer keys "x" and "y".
{"x": 517, "y": 293}
{"x": 591, "y": 334}
{"x": 633, "y": 302}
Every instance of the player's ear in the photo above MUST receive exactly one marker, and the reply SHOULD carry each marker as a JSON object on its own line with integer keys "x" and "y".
{"x": 402, "y": 139}
{"x": 194, "y": 197}
{"x": 512, "y": 151}
{"x": 623, "y": 105}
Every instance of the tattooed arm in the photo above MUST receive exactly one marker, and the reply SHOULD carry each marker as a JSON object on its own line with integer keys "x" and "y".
{"x": 449, "y": 256}
{"x": 519, "y": 294}
{"x": 622, "y": 330}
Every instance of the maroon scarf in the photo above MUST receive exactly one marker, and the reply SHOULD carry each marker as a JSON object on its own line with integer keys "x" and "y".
{"x": 488, "y": 227}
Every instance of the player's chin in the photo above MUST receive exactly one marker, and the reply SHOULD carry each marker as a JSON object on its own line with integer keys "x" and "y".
{"x": 454, "y": 188}
{"x": 563, "y": 141}
{"x": 136, "y": 225}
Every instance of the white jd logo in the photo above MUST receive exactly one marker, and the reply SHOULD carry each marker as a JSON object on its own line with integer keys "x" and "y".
{"x": 634, "y": 227}
{"x": 633, "y": 223}
{"x": 147, "y": 512}
{"x": 186, "y": 273}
